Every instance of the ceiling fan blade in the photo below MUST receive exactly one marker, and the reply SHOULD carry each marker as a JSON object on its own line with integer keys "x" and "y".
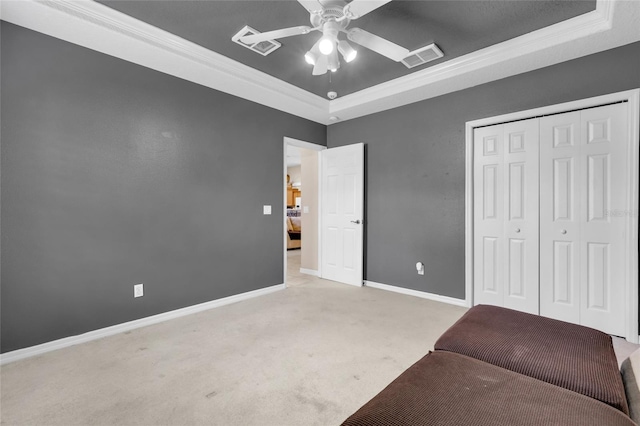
{"x": 321, "y": 66}
{"x": 313, "y": 6}
{"x": 359, "y": 8}
{"x": 275, "y": 34}
{"x": 377, "y": 44}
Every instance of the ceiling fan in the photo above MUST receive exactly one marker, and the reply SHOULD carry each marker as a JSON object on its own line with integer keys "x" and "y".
{"x": 332, "y": 17}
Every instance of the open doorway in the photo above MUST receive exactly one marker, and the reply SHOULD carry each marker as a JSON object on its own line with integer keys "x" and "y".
{"x": 301, "y": 211}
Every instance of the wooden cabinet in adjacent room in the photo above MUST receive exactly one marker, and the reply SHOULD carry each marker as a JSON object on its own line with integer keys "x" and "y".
{"x": 292, "y": 194}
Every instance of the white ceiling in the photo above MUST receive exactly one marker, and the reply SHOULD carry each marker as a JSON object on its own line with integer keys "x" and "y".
{"x": 98, "y": 27}
{"x": 294, "y": 156}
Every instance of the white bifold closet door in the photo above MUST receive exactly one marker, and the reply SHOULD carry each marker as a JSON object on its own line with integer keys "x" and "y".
{"x": 506, "y": 234}
{"x": 582, "y": 187}
{"x": 549, "y": 225}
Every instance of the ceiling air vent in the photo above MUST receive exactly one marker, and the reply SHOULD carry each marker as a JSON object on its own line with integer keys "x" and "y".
{"x": 263, "y": 47}
{"x": 422, "y": 56}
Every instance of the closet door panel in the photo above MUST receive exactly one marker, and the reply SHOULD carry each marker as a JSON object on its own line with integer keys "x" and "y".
{"x": 563, "y": 274}
{"x": 488, "y": 216}
{"x": 521, "y": 208}
{"x": 560, "y": 202}
{"x": 603, "y": 219}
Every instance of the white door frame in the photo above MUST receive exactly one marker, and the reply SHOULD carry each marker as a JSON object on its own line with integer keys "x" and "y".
{"x": 631, "y": 211}
{"x": 306, "y": 145}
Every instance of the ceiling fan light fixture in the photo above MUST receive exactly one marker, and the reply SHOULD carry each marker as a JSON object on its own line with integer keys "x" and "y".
{"x": 330, "y": 17}
{"x": 326, "y": 45}
{"x": 310, "y": 58}
{"x": 329, "y": 38}
{"x": 348, "y": 52}
{"x": 334, "y": 62}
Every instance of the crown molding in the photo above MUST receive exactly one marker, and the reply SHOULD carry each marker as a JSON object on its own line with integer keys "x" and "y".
{"x": 95, "y": 26}
{"x": 98, "y": 27}
{"x": 589, "y": 23}
{"x": 579, "y": 36}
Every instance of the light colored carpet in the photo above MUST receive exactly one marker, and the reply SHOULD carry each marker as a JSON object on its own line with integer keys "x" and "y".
{"x": 309, "y": 355}
{"x": 623, "y": 348}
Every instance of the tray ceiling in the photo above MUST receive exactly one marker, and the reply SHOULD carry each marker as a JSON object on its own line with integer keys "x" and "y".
{"x": 457, "y": 27}
{"x": 192, "y": 41}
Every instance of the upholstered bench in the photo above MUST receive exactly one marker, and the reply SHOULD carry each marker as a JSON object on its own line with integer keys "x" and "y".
{"x": 449, "y": 389}
{"x": 571, "y": 356}
{"x": 496, "y": 366}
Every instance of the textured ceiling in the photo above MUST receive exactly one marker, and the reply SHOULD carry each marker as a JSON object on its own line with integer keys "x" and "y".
{"x": 457, "y": 27}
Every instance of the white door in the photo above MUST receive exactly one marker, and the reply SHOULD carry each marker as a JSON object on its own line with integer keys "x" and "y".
{"x": 488, "y": 213}
{"x": 582, "y": 236}
{"x": 560, "y": 207}
{"x": 521, "y": 210}
{"x": 506, "y": 209}
{"x": 342, "y": 206}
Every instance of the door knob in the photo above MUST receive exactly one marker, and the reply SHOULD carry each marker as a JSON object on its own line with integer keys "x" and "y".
{"x": 564, "y": 231}
{"x": 517, "y": 230}
{"x": 357, "y": 222}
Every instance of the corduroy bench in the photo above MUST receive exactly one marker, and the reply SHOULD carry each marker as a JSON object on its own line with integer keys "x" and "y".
{"x": 496, "y": 366}
{"x": 571, "y": 356}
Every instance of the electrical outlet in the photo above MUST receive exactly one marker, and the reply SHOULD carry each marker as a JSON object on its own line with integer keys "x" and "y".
{"x": 138, "y": 290}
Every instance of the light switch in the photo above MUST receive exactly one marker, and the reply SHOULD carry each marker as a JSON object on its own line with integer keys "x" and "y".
{"x": 266, "y": 209}
{"x": 305, "y": 209}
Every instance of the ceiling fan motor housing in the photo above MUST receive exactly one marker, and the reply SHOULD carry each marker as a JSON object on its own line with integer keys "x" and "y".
{"x": 333, "y": 11}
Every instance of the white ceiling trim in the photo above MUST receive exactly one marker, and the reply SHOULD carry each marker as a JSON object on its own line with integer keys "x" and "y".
{"x": 612, "y": 24}
{"x": 98, "y": 27}
{"x": 103, "y": 29}
{"x": 389, "y": 94}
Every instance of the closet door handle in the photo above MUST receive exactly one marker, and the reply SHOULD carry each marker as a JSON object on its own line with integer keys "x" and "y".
{"x": 564, "y": 231}
{"x": 517, "y": 230}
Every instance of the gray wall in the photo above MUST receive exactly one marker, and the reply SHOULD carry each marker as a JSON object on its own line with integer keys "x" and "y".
{"x": 416, "y": 164}
{"x": 114, "y": 174}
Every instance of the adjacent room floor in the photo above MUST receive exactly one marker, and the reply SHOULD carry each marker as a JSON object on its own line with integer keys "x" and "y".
{"x": 309, "y": 355}
{"x": 296, "y": 278}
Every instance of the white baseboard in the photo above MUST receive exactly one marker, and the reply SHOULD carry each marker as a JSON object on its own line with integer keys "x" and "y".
{"x": 142, "y": 322}
{"x": 309, "y": 272}
{"x": 416, "y": 293}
